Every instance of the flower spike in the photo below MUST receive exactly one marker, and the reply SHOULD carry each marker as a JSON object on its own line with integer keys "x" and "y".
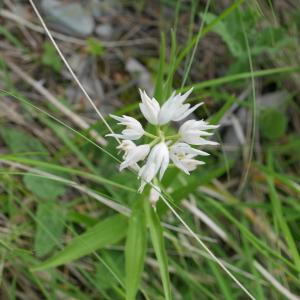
{"x": 163, "y": 149}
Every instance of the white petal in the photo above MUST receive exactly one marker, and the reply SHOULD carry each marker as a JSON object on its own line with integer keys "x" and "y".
{"x": 154, "y": 195}
{"x": 164, "y": 164}
{"x": 173, "y": 108}
{"x": 186, "y": 95}
{"x": 167, "y": 110}
{"x": 147, "y": 172}
{"x": 115, "y": 135}
{"x": 126, "y": 146}
{"x": 201, "y": 141}
{"x": 149, "y": 108}
{"x": 179, "y": 164}
{"x": 135, "y": 155}
{"x": 187, "y": 112}
{"x": 131, "y": 134}
{"x": 165, "y": 115}
{"x": 120, "y": 119}
{"x": 134, "y": 130}
{"x": 186, "y": 148}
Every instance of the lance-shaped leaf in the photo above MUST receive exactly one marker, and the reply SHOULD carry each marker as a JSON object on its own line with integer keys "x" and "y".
{"x": 135, "y": 249}
{"x": 105, "y": 233}
{"x": 156, "y": 232}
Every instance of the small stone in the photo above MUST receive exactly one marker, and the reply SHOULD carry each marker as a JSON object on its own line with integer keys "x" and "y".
{"x": 104, "y": 31}
{"x": 143, "y": 76}
{"x": 70, "y": 18}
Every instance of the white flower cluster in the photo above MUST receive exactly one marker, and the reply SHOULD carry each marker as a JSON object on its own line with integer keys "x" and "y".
{"x": 163, "y": 148}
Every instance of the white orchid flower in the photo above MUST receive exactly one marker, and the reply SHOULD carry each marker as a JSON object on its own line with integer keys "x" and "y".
{"x": 149, "y": 108}
{"x": 158, "y": 153}
{"x": 174, "y": 109}
{"x": 182, "y": 155}
{"x": 158, "y": 161}
{"x": 134, "y": 129}
{"x": 193, "y": 132}
{"x": 133, "y": 153}
{"x": 126, "y": 146}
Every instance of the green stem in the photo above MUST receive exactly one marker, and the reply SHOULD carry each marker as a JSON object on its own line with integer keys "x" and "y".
{"x": 173, "y": 137}
{"x": 150, "y": 135}
{"x": 155, "y": 141}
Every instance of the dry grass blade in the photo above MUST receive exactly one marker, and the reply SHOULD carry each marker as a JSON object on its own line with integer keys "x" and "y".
{"x": 70, "y": 69}
{"x": 82, "y": 124}
{"x": 275, "y": 283}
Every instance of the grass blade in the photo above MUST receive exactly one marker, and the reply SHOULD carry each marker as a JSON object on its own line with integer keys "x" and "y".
{"x": 230, "y": 78}
{"x": 279, "y": 215}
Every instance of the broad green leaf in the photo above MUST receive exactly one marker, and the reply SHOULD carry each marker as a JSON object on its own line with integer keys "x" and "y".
{"x": 105, "y": 279}
{"x": 82, "y": 219}
{"x": 95, "y": 47}
{"x": 44, "y": 188}
{"x": 156, "y": 232}
{"x": 19, "y": 140}
{"x": 105, "y": 233}
{"x": 226, "y": 33}
{"x": 135, "y": 249}
{"x": 50, "y": 58}
{"x": 273, "y": 124}
{"x": 109, "y": 275}
{"x": 50, "y": 224}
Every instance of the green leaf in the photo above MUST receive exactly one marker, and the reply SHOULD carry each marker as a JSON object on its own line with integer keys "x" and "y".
{"x": 44, "y": 188}
{"x": 105, "y": 233}
{"x": 240, "y": 76}
{"x": 278, "y": 214}
{"x": 95, "y": 47}
{"x": 273, "y": 124}
{"x": 50, "y": 224}
{"x": 50, "y": 58}
{"x": 135, "y": 249}
{"x": 19, "y": 141}
{"x": 226, "y": 33}
{"x": 156, "y": 232}
{"x": 104, "y": 279}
